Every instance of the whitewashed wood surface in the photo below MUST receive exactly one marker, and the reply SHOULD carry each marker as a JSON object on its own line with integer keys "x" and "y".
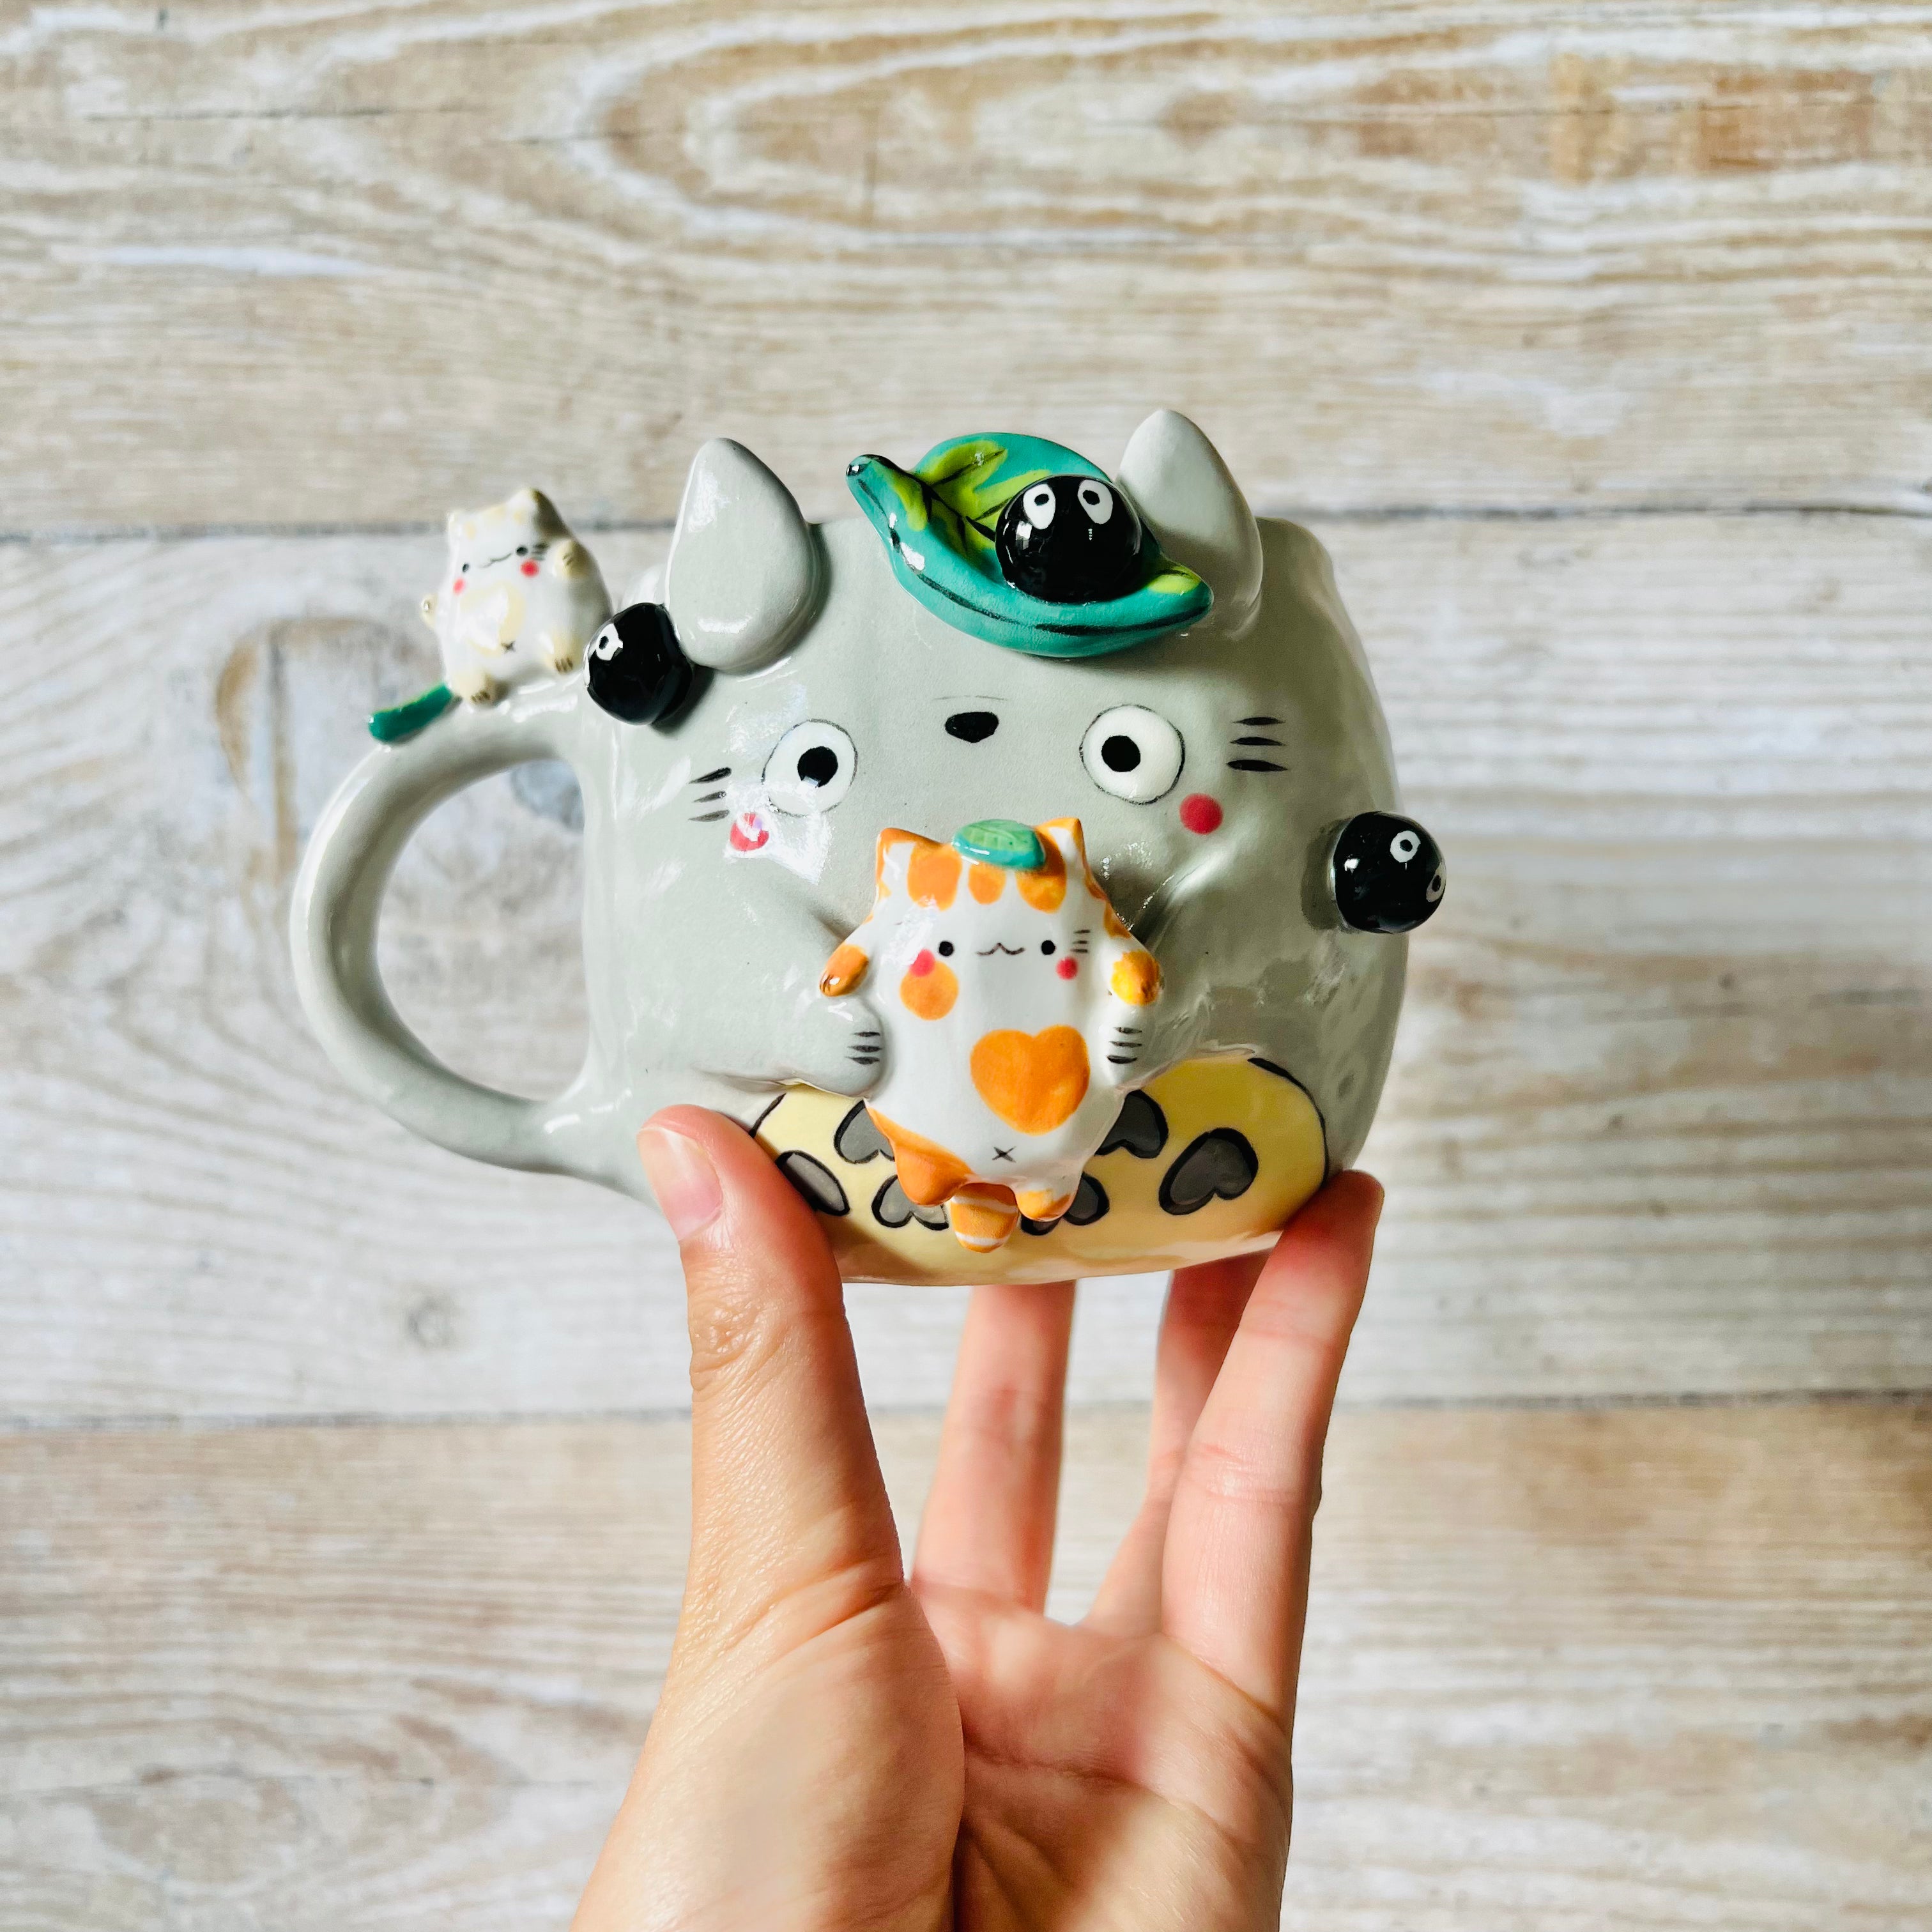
{"x": 340, "y": 1482}
{"x": 268, "y": 264}
{"x": 1660, "y": 1670}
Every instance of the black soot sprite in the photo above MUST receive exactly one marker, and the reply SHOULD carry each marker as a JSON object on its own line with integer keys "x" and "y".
{"x": 1387, "y": 872}
{"x": 636, "y": 670}
{"x": 1069, "y": 540}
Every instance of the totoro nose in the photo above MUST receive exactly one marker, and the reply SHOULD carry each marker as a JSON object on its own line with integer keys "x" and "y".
{"x": 972, "y": 727}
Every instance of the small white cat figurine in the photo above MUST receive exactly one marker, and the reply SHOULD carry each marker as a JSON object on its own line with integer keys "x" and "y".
{"x": 1013, "y": 1002}
{"x": 521, "y": 599}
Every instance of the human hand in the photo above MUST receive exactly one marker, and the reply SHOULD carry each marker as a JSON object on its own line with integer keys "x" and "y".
{"x": 836, "y": 1748}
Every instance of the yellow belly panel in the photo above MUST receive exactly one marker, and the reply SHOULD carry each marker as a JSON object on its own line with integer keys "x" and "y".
{"x": 1211, "y": 1159}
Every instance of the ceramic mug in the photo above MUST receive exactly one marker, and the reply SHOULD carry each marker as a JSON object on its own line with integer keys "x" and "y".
{"x": 1184, "y": 685}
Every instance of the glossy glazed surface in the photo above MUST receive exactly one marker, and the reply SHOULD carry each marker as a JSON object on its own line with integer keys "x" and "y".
{"x": 1209, "y": 1159}
{"x": 520, "y": 598}
{"x": 727, "y": 856}
{"x": 1012, "y": 1005}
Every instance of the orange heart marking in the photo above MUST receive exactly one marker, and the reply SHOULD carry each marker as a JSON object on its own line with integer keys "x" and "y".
{"x": 1033, "y": 1081}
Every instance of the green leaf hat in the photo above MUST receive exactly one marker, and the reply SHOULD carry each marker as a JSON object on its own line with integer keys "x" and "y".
{"x": 939, "y": 520}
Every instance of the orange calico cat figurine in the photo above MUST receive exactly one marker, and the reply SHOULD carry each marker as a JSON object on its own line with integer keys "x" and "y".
{"x": 1011, "y": 1000}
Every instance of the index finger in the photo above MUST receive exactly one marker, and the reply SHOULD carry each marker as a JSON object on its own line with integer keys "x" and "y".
{"x": 786, "y": 1491}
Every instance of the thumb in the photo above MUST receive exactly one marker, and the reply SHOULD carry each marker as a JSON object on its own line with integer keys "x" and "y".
{"x": 786, "y": 1491}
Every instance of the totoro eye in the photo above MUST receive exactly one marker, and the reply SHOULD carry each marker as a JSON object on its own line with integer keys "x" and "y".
{"x": 1133, "y": 753}
{"x": 811, "y": 769}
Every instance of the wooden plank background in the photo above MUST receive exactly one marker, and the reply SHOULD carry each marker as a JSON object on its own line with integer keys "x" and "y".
{"x": 340, "y": 1482}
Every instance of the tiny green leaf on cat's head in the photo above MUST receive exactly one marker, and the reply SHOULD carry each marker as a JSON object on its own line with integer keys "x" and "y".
{"x": 939, "y": 521}
{"x": 1001, "y": 842}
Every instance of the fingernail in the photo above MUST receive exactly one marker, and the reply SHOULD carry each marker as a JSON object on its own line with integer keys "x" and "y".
{"x": 682, "y": 1178}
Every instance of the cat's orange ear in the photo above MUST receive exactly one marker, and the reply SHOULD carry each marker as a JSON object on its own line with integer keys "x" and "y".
{"x": 1067, "y": 833}
{"x": 890, "y": 841}
{"x": 1045, "y": 887}
{"x": 931, "y": 872}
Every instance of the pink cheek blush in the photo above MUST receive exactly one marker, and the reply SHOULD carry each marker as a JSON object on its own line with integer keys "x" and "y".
{"x": 456, "y": 588}
{"x": 921, "y": 965}
{"x": 1067, "y": 968}
{"x": 1200, "y": 813}
{"x": 530, "y": 566}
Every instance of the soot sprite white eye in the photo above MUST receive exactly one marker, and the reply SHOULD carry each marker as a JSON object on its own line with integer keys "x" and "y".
{"x": 811, "y": 769}
{"x": 1096, "y": 499}
{"x": 1069, "y": 540}
{"x": 606, "y": 644}
{"x": 1133, "y": 753}
{"x": 1404, "y": 846}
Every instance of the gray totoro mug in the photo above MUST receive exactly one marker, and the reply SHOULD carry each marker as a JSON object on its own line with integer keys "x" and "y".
{"x": 750, "y": 749}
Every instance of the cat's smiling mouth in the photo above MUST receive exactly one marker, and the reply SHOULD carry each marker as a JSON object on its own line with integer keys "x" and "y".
{"x": 1013, "y": 952}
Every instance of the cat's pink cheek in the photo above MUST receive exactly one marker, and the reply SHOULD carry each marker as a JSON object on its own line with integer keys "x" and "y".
{"x": 456, "y": 588}
{"x": 530, "y": 566}
{"x": 922, "y": 964}
{"x": 1067, "y": 968}
{"x": 1200, "y": 813}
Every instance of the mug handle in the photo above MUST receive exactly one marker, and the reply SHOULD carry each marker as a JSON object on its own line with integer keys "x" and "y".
{"x": 332, "y": 924}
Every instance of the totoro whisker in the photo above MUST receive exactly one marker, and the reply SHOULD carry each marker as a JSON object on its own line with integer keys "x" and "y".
{"x": 1258, "y": 741}
{"x": 712, "y": 777}
{"x": 1254, "y": 765}
{"x": 709, "y": 818}
{"x": 1257, "y": 721}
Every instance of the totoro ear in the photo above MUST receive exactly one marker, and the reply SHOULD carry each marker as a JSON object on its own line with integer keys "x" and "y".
{"x": 1185, "y": 495}
{"x": 742, "y": 576}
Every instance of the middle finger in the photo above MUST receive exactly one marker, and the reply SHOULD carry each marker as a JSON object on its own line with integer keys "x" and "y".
{"x": 989, "y": 1520}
